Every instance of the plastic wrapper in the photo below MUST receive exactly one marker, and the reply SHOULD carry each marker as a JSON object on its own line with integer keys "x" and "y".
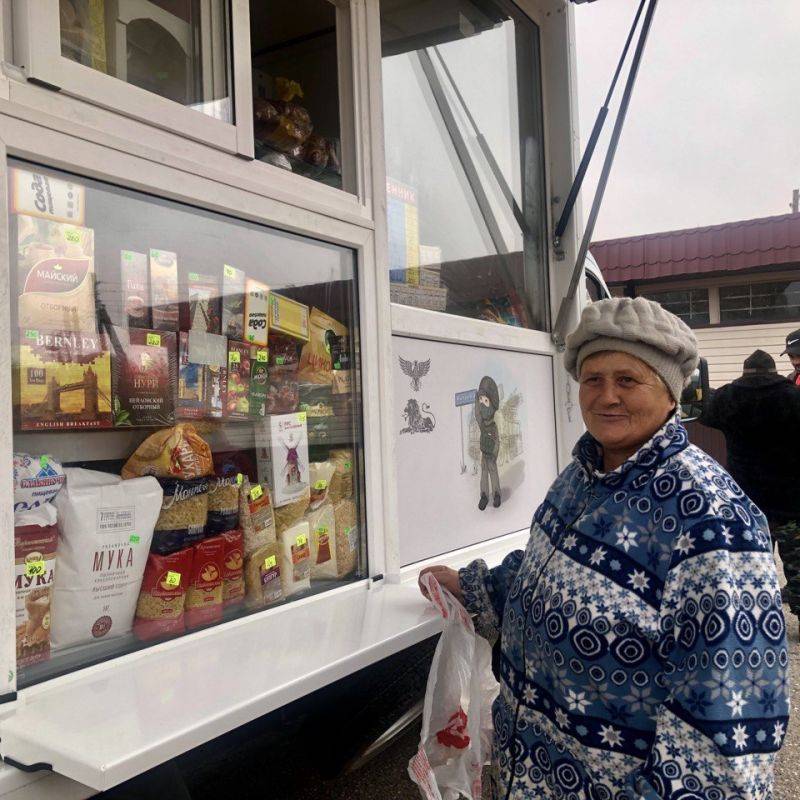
{"x": 342, "y": 482}
{"x": 256, "y": 517}
{"x": 37, "y": 480}
{"x": 295, "y": 559}
{"x": 183, "y": 516}
{"x": 233, "y": 570}
{"x": 262, "y": 577}
{"x": 346, "y": 517}
{"x": 316, "y": 359}
{"x": 283, "y": 391}
{"x": 290, "y": 514}
{"x": 320, "y": 477}
{"x": 204, "y": 595}
{"x": 177, "y": 452}
{"x": 223, "y": 504}
{"x": 322, "y": 538}
{"x": 159, "y": 609}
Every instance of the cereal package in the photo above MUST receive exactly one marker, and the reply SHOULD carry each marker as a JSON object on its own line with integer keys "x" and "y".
{"x": 295, "y": 559}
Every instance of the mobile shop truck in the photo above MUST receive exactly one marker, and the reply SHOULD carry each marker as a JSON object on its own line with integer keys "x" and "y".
{"x": 308, "y": 231}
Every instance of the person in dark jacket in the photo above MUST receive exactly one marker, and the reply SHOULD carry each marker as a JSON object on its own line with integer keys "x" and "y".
{"x": 757, "y": 413}
{"x": 793, "y": 351}
{"x": 487, "y": 403}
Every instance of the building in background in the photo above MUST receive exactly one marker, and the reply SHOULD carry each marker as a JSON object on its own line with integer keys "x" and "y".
{"x": 737, "y": 284}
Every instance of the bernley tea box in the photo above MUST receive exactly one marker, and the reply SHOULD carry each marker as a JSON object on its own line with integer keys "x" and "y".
{"x": 64, "y": 380}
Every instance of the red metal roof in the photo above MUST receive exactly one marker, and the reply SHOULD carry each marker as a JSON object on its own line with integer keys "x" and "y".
{"x": 749, "y": 244}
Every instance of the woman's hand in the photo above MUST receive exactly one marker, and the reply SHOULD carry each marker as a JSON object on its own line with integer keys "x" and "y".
{"x": 446, "y": 577}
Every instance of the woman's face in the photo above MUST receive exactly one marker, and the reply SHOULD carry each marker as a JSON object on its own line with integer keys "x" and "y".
{"x": 623, "y": 402}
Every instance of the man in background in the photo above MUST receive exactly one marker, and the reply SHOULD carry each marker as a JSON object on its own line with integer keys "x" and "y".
{"x": 793, "y": 351}
{"x": 759, "y": 414}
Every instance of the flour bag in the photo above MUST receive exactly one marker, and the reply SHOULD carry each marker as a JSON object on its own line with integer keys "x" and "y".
{"x": 457, "y": 729}
{"x": 105, "y": 527}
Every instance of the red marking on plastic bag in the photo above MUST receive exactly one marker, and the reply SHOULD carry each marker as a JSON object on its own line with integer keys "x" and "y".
{"x": 454, "y": 734}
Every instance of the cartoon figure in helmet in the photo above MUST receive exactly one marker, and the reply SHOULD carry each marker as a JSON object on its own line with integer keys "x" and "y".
{"x": 486, "y": 404}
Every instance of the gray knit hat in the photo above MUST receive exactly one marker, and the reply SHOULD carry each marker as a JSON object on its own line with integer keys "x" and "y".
{"x": 641, "y": 328}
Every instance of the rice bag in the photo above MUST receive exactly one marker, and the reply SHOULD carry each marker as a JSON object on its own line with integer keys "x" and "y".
{"x": 320, "y": 476}
{"x": 262, "y": 577}
{"x": 256, "y": 516}
{"x": 295, "y": 559}
{"x": 322, "y": 537}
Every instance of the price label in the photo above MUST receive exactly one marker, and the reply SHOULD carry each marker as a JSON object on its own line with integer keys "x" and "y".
{"x": 348, "y": 466}
{"x": 262, "y": 356}
{"x": 234, "y": 357}
{"x": 301, "y": 417}
{"x": 154, "y": 340}
{"x": 173, "y": 579}
{"x": 256, "y": 492}
{"x": 239, "y": 478}
{"x": 34, "y": 568}
{"x": 31, "y": 334}
{"x": 322, "y": 531}
{"x": 270, "y": 562}
{"x": 72, "y": 236}
{"x": 134, "y": 539}
{"x": 193, "y": 276}
{"x": 44, "y": 461}
{"x": 301, "y": 540}
{"x": 280, "y": 361}
{"x": 251, "y": 337}
{"x": 320, "y": 486}
{"x": 228, "y": 272}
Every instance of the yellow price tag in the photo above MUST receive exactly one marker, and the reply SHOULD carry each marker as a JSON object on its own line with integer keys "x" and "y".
{"x": 301, "y": 540}
{"x": 262, "y": 356}
{"x": 321, "y": 485}
{"x": 256, "y": 492}
{"x": 229, "y": 272}
{"x": 301, "y": 417}
{"x": 270, "y": 562}
{"x": 173, "y": 579}
{"x": 239, "y": 478}
{"x": 234, "y": 357}
{"x": 154, "y": 340}
{"x": 34, "y": 568}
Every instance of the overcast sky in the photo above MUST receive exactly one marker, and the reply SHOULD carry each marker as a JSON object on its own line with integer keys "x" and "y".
{"x": 713, "y": 131}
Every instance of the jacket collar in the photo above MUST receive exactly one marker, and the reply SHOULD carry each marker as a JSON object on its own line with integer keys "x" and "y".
{"x": 665, "y": 442}
{"x": 760, "y": 381}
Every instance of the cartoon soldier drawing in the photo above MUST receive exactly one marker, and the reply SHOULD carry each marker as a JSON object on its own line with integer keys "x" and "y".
{"x": 486, "y": 405}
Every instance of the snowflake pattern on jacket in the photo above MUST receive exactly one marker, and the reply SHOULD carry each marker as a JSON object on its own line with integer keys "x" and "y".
{"x": 642, "y": 635}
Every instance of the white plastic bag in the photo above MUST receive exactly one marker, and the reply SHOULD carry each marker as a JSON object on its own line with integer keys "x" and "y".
{"x": 457, "y": 726}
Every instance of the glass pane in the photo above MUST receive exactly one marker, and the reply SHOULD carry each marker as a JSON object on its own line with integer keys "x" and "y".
{"x": 464, "y": 160}
{"x": 296, "y": 87}
{"x": 177, "y": 49}
{"x": 196, "y": 378}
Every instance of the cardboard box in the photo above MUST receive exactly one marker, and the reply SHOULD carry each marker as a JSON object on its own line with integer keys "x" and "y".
{"x": 288, "y": 317}
{"x": 135, "y": 280}
{"x": 233, "y": 287}
{"x": 237, "y": 402}
{"x": 201, "y": 308}
{"x": 202, "y": 375}
{"x": 144, "y": 374}
{"x": 64, "y": 380}
{"x": 55, "y": 267}
{"x": 256, "y": 303}
{"x": 282, "y": 456}
{"x": 259, "y": 380}
{"x": 164, "y": 289}
{"x": 45, "y": 196}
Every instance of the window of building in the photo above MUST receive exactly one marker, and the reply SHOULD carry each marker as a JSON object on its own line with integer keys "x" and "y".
{"x": 691, "y": 305}
{"x": 465, "y": 159}
{"x": 777, "y": 300}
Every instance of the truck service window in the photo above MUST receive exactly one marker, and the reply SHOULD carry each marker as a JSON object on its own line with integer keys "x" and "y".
{"x": 187, "y": 434}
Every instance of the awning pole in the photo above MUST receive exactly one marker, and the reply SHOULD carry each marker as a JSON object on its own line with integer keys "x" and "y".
{"x": 577, "y": 272}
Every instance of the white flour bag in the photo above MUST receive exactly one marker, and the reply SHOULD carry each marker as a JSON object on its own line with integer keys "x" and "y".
{"x": 105, "y": 526}
{"x": 457, "y": 729}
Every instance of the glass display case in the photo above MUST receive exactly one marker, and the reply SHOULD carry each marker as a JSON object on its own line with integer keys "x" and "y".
{"x": 187, "y": 427}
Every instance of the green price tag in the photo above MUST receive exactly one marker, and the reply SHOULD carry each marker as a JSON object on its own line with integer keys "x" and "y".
{"x": 31, "y": 334}
{"x": 256, "y": 492}
{"x": 193, "y": 276}
{"x": 44, "y": 461}
{"x": 173, "y": 579}
{"x": 280, "y": 360}
{"x": 270, "y": 562}
{"x": 134, "y": 539}
{"x": 154, "y": 340}
{"x": 262, "y": 356}
{"x": 348, "y": 466}
{"x": 127, "y": 255}
{"x": 34, "y": 568}
{"x": 234, "y": 357}
{"x": 72, "y": 236}
{"x": 251, "y": 337}
{"x": 229, "y": 272}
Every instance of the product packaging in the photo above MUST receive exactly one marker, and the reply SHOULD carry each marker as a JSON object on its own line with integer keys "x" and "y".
{"x": 233, "y": 287}
{"x": 256, "y": 516}
{"x": 35, "y": 540}
{"x": 37, "y": 480}
{"x": 204, "y": 597}
{"x": 290, "y": 514}
{"x": 295, "y": 559}
{"x": 201, "y": 311}
{"x": 255, "y": 312}
{"x": 55, "y": 270}
{"x": 283, "y": 391}
{"x": 164, "y": 289}
{"x": 184, "y": 514}
{"x": 202, "y": 375}
{"x": 223, "y": 504}
{"x": 135, "y": 277}
{"x": 178, "y": 452}
{"x": 288, "y": 317}
{"x": 347, "y": 538}
{"x": 342, "y": 482}
{"x": 320, "y": 475}
{"x": 105, "y": 526}
{"x": 64, "y": 380}
{"x": 282, "y": 454}
{"x": 41, "y": 195}
{"x": 316, "y": 357}
{"x": 233, "y": 570}
{"x": 144, "y": 373}
{"x": 262, "y": 576}
{"x": 159, "y": 609}
{"x": 316, "y": 399}
{"x": 237, "y": 403}
{"x": 322, "y": 538}
{"x": 259, "y": 381}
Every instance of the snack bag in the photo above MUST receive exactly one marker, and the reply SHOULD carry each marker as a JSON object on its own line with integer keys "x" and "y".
{"x": 256, "y": 516}
{"x": 457, "y": 726}
{"x": 177, "y": 452}
{"x": 37, "y": 480}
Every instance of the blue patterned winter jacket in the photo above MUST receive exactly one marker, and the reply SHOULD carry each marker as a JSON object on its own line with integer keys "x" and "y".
{"x": 642, "y": 636}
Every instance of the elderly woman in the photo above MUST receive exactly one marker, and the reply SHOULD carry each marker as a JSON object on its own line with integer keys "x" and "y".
{"x": 642, "y": 640}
